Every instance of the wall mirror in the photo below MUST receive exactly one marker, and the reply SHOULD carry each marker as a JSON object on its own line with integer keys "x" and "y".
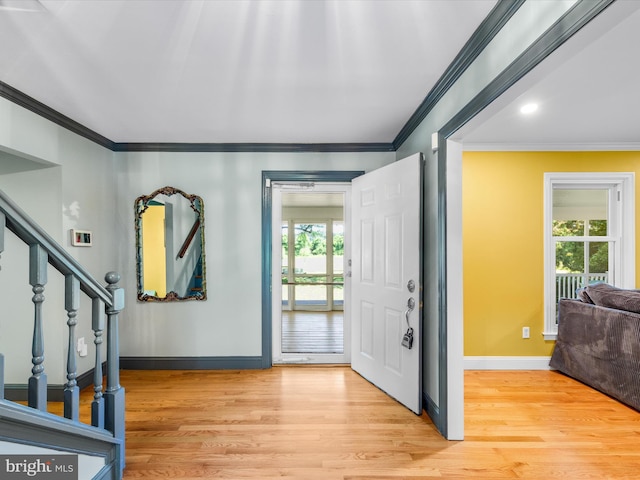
{"x": 170, "y": 259}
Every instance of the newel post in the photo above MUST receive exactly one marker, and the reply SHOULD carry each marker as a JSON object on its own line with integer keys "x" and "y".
{"x": 114, "y": 393}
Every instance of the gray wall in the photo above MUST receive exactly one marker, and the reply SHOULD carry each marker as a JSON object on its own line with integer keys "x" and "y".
{"x": 69, "y": 182}
{"x": 528, "y": 23}
{"x": 62, "y": 181}
{"x": 229, "y": 322}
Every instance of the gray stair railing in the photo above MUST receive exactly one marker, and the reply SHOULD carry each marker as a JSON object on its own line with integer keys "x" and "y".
{"x": 107, "y": 408}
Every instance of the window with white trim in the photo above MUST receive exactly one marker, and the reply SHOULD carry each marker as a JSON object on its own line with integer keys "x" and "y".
{"x": 589, "y": 229}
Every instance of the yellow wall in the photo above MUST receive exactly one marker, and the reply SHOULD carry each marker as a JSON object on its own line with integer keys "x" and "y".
{"x": 502, "y": 215}
{"x": 153, "y": 250}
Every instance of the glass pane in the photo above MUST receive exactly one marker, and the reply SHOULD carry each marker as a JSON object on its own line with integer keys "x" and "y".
{"x": 310, "y": 279}
{"x": 598, "y": 258}
{"x": 569, "y": 257}
{"x": 310, "y": 295}
{"x": 568, "y": 228}
{"x": 285, "y": 246}
{"x": 310, "y": 249}
{"x": 310, "y": 265}
{"x": 570, "y": 274}
{"x": 579, "y": 212}
{"x": 285, "y": 263}
{"x": 338, "y": 247}
{"x": 598, "y": 228}
{"x": 338, "y": 295}
{"x": 338, "y": 265}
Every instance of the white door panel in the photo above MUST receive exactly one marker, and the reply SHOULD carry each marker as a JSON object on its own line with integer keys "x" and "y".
{"x": 386, "y": 256}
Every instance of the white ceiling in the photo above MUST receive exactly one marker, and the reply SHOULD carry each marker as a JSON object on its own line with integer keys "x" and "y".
{"x": 588, "y": 93}
{"x": 312, "y": 71}
{"x": 239, "y": 71}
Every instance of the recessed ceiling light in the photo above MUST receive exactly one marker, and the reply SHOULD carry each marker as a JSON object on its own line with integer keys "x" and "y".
{"x": 528, "y": 108}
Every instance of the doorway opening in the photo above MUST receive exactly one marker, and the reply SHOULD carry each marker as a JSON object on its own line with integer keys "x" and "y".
{"x": 385, "y": 323}
{"x": 310, "y": 322}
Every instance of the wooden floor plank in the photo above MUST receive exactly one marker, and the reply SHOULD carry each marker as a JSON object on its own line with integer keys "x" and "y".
{"x": 326, "y": 422}
{"x": 312, "y": 332}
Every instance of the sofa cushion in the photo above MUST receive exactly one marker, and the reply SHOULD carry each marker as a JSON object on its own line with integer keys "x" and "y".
{"x": 583, "y": 296}
{"x": 612, "y": 297}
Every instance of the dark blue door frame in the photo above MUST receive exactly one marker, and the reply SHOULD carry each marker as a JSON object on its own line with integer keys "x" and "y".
{"x": 269, "y": 176}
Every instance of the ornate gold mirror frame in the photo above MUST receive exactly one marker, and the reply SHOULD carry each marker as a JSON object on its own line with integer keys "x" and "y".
{"x": 170, "y": 253}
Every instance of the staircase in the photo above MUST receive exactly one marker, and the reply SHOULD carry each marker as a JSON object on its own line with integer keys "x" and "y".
{"x": 29, "y": 428}
{"x": 196, "y": 284}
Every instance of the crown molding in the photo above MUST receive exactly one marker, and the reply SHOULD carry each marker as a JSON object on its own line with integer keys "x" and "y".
{"x": 487, "y": 30}
{"x": 563, "y": 29}
{"x": 579, "y": 15}
{"x": 552, "y": 147}
{"x": 39, "y": 108}
{"x": 496, "y": 19}
{"x": 253, "y": 147}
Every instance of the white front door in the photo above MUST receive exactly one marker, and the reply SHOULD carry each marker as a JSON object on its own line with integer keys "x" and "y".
{"x": 385, "y": 261}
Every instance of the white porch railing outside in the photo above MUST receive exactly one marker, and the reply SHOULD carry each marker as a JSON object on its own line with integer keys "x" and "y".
{"x": 568, "y": 283}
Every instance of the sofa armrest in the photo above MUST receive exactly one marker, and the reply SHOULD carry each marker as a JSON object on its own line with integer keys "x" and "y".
{"x": 581, "y": 323}
{"x": 599, "y": 346}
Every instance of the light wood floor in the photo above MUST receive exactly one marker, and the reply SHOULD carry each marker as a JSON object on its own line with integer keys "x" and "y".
{"x": 325, "y": 422}
{"x": 312, "y": 332}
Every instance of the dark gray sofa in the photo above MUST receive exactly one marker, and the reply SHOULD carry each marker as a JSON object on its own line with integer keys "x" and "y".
{"x": 599, "y": 341}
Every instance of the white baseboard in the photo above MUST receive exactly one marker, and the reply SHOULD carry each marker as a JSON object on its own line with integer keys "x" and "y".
{"x": 506, "y": 363}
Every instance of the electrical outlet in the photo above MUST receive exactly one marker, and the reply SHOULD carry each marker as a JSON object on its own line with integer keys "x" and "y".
{"x": 525, "y": 332}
